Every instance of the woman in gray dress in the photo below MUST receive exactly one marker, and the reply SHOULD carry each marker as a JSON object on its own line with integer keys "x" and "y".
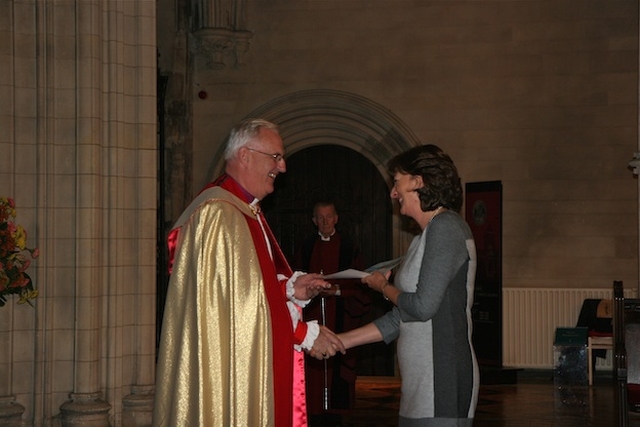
{"x": 432, "y": 295}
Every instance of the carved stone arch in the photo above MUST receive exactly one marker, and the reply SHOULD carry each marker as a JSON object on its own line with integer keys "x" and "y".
{"x": 324, "y": 116}
{"x": 331, "y": 117}
{"x": 311, "y": 120}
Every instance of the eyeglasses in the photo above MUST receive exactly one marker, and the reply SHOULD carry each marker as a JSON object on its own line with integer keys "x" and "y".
{"x": 277, "y": 157}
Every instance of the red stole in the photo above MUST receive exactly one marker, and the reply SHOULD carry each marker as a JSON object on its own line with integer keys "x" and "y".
{"x": 297, "y": 379}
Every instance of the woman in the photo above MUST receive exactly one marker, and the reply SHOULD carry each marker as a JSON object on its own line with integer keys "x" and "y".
{"x": 432, "y": 294}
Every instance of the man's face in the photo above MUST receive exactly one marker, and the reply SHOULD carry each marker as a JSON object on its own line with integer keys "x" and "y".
{"x": 325, "y": 218}
{"x": 263, "y": 168}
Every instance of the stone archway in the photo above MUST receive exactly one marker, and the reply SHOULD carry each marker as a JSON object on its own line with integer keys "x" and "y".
{"x": 361, "y": 196}
{"x": 331, "y": 117}
{"x": 320, "y": 116}
{"x": 354, "y": 137}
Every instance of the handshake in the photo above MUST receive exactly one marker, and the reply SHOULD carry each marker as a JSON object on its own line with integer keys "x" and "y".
{"x": 326, "y": 345}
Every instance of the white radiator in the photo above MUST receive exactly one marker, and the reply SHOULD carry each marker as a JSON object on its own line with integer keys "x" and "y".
{"x": 530, "y": 317}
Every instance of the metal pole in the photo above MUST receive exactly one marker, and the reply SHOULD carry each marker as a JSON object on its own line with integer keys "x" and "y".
{"x": 325, "y": 394}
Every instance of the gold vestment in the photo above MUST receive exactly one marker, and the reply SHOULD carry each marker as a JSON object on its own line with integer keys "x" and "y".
{"x": 215, "y": 358}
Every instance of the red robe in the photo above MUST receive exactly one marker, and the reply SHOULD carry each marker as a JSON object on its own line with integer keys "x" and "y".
{"x": 342, "y": 313}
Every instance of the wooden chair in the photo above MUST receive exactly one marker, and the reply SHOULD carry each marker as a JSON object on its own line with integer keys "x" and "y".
{"x": 600, "y": 340}
{"x": 597, "y": 316}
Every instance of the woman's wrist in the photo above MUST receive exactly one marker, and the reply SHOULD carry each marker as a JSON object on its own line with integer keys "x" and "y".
{"x": 382, "y": 290}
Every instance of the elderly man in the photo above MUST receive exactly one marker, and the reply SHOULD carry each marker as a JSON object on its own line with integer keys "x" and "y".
{"x": 232, "y": 333}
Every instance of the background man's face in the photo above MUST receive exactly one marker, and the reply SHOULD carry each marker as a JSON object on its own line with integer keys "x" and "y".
{"x": 325, "y": 218}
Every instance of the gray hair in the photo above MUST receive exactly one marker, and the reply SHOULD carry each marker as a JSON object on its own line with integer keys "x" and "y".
{"x": 243, "y": 133}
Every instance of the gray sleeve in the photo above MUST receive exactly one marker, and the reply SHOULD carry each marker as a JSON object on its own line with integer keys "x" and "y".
{"x": 444, "y": 254}
{"x": 389, "y": 325}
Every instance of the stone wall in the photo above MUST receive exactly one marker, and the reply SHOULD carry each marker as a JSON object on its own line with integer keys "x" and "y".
{"x": 541, "y": 95}
{"x": 78, "y": 143}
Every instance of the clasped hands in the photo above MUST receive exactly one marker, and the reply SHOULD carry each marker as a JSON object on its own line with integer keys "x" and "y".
{"x": 327, "y": 343}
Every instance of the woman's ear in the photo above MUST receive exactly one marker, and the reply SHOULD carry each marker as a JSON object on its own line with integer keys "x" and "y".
{"x": 417, "y": 181}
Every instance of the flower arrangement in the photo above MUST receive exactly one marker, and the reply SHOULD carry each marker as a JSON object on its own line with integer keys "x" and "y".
{"x": 13, "y": 259}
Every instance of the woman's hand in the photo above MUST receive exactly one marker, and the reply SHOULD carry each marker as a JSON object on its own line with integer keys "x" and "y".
{"x": 377, "y": 280}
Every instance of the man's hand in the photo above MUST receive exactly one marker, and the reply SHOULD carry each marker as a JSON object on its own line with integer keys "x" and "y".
{"x": 309, "y": 285}
{"x": 326, "y": 345}
{"x": 334, "y": 290}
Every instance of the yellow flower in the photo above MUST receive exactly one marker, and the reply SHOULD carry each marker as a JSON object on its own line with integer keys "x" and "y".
{"x": 26, "y": 296}
{"x": 20, "y": 237}
{"x": 14, "y": 279}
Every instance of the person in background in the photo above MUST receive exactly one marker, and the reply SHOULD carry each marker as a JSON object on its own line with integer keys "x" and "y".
{"x": 432, "y": 295}
{"x": 232, "y": 333}
{"x": 329, "y": 251}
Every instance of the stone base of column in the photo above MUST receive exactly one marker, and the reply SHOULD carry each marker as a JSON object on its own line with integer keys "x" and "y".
{"x": 85, "y": 410}
{"x": 137, "y": 407}
{"x": 10, "y": 412}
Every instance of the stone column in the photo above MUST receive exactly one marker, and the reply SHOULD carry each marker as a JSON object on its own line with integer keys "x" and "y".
{"x": 10, "y": 412}
{"x": 107, "y": 104}
{"x": 138, "y": 407}
{"x": 17, "y": 171}
{"x": 221, "y": 31}
{"x": 85, "y": 410}
{"x": 94, "y": 89}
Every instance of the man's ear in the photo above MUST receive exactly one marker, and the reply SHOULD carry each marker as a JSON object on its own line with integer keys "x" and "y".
{"x": 243, "y": 155}
{"x": 313, "y": 218}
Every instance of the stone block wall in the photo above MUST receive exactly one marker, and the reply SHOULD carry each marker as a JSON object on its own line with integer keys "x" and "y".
{"x": 539, "y": 95}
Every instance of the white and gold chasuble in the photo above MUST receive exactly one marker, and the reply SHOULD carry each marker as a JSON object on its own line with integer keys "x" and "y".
{"x": 215, "y": 358}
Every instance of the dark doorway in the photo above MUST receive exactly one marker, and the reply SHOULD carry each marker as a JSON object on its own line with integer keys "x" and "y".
{"x": 362, "y": 198}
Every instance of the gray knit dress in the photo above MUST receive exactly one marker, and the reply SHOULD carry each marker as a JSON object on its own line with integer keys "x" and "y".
{"x": 432, "y": 322}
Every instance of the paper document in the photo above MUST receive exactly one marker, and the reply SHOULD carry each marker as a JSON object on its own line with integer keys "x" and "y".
{"x": 382, "y": 267}
{"x": 385, "y": 266}
{"x": 346, "y": 274}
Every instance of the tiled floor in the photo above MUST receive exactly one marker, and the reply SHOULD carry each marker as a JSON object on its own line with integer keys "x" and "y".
{"x": 533, "y": 402}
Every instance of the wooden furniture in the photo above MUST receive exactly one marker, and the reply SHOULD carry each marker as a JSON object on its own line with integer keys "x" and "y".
{"x": 597, "y": 316}
{"x": 596, "y": 343}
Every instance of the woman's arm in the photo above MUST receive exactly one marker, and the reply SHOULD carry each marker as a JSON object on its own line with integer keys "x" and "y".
{"x": 366, "y": 334}
{"x": 445, "y": 253}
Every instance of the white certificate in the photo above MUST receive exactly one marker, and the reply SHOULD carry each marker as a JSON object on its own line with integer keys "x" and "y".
{"x": 346, "y": 274}
{"x": 382, "y": 267}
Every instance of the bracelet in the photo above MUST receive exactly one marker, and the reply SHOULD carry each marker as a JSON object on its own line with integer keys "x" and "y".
{"x": 382, "y": 290}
